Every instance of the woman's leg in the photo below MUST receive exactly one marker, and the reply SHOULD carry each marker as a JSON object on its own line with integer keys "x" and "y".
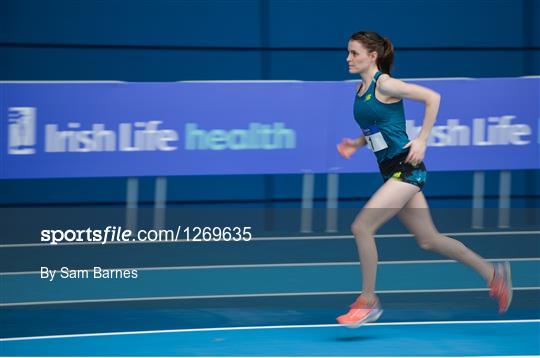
{"x": 416, "y": 217}
{"x": 383, "y": 205}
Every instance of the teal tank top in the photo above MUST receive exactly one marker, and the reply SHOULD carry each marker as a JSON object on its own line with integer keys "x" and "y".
{"x": 388, "y": 117}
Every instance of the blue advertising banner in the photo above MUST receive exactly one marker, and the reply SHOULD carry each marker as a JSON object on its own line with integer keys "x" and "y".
{"x": 62, "y": 130}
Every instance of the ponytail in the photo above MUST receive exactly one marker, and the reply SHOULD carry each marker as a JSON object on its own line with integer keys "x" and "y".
{"x": 386, "y": 58}
{"x": 374, "y": 42}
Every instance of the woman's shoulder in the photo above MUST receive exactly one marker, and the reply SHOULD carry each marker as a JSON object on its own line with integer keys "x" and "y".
{"x": 387, "y": 82}
{"x": 384, "y": 77}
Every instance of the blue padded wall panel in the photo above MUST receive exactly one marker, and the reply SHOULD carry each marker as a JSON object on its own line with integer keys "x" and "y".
{"x": 102, "y": 190}
{"x": 331, "y": 65}
{"x": 534, "y": 66}
{"x": 359, "y": 185}
{"x": 287, "y": 186}
{"x": 526, "y": 182}
{"x": 309, "y": 65}
{"x": 448, "y": 183}
{"x": 413, "y": 23}
{"x": 532, "y": 27}
{"x": 218, "y": 187}
{"x": 428, "y": 64}
{"x": 138, "y": 65}
{"x": 126, "y": 65}
{"x": 132, "y": 22}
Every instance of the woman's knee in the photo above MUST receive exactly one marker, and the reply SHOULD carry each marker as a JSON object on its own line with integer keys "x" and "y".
{"x": 427, "y": 241}
{"x": 427, "y": 245}
{"x": 360, "y": 228}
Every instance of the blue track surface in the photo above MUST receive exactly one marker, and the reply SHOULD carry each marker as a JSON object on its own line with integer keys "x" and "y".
{"x": 256, "y": 280}
{"x": 456, "y": 339}
{"x": 301, "y": 283}
{"x": 254, "y": 252}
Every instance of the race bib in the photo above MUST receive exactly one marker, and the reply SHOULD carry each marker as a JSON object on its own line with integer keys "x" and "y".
{"x": 374, "y": 138}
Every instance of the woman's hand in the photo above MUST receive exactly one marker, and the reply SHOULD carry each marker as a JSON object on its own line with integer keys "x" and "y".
{"x": 417, "y": 151}
{"x": 347, "y": 147}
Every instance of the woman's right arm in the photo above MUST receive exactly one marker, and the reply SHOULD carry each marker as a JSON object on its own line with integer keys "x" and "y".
{"x": 360, "y": 141}
{"x": 349, "y": 146}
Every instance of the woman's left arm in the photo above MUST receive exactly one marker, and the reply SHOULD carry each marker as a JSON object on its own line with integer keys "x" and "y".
{"x": 395, "y": 88}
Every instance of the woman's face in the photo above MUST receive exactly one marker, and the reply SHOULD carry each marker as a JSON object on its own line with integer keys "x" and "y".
{"x": 359, "y": 59}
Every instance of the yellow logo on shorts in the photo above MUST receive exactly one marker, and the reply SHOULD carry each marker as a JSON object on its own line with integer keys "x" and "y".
{"x": 396, "y": 175}
{"x": 368, "y": 97}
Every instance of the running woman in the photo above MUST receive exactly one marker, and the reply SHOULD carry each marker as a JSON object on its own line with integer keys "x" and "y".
{"x": 378, "y": 110}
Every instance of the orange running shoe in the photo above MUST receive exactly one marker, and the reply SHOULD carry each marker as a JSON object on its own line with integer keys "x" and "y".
{"x": 361, "y": 312}
{"x": 500, "y": 286}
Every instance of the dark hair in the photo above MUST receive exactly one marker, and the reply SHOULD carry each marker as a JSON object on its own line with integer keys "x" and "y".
{"x": 374, "y": 42}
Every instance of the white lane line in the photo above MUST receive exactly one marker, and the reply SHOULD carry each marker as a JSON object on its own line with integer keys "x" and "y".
{"x": 265, "y": 327}
{"x": 58, "y": 82}
{"x": 272, "y": 238}
{"x": 307, "y": 264}
{"x": 254, "y": 295}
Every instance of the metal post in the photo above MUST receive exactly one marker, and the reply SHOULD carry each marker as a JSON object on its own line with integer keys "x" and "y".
{"x": 307, "y": 203}
{"x": 131, "y": 203}
{"x": 478, "y": 201}
{"x": 505, "y": 187}
{"x": 160, "y": 200}
{"x": 332, "y": 190}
